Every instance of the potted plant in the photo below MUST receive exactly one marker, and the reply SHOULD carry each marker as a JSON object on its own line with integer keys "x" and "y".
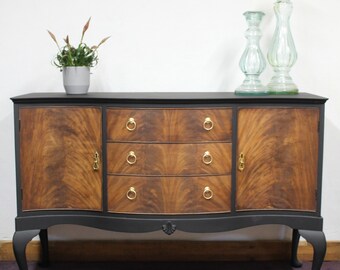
{"x": 75, "y": 62}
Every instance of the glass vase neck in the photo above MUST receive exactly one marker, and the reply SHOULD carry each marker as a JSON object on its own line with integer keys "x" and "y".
{"x": 253, "y": 18}
{"x": 283, "y": 10}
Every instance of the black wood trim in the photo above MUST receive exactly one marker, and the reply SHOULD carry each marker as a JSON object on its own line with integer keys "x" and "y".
{"x": 320, "y": 156}
{"x": 234, "y": 159}
{"x": 192, "y": 224}
{"x": 17, "y": 157}
{"x": 103, "y": 161}
{"x": 166, "y": 98}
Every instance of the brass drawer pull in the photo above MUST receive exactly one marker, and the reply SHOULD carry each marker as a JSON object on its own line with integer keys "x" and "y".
{"x": 131, "y": 194}
{"x": 95, "y": 161}
{"x": 207, "y": 193}
{"x": 131, "y": 124}
{"x": 208, "y": 124}
{"x": 131, "y": 158}
{"x": 241, "y": 162}
{"x": 207, "y": 158}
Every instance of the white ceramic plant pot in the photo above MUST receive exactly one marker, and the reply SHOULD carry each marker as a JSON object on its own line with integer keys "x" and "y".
{"x": 76, "y": 80}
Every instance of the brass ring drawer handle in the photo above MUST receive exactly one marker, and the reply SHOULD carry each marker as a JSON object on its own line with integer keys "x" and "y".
{"x": 131, "y": 158}
{"x": 131, "y": 124}
{"x": 131, "y": 194}
{"x": 208, "y": 124}
{"x": 207, "y": 158}
{"x": 207, "y": 193}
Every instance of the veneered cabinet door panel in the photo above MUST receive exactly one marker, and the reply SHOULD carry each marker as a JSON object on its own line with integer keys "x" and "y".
{"x": 57, "y": 148}
{"x": 280, "y": 155}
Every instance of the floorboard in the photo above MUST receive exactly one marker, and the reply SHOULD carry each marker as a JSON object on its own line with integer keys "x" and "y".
{"x": 171, "y": 266}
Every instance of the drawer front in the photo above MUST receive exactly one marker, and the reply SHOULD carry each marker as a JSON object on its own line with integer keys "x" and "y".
{"x": 169, "y": 195}
{"x": 169, "y": 125}
{"x": 169, "y": 159}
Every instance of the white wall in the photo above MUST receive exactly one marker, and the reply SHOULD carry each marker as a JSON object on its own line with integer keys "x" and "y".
{"x": 164, "y": 45}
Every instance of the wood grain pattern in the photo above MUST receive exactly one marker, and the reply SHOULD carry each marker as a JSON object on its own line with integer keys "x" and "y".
{"x": 157, "y": 250}
{"x": 153, "y": 250}
{"x": 169, "y": 159}
{"x": 170, "y": 195}
{"x": 57, "y": 145}
{"x": 281, "y": 157}
{"x": 169, "y": 125}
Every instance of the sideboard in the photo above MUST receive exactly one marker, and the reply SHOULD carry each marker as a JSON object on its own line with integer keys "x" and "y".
{"x": 194, "y": 162}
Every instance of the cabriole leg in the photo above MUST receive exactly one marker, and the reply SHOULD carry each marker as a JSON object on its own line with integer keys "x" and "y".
{"x": 294, "y": 261}
{"x": 20, "y": 240}
{"x": 318, "y": 241}
{"x": 43, "y": 235}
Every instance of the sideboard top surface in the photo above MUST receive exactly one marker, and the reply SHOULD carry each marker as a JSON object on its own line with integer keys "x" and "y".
{"x": 165, "y": 97}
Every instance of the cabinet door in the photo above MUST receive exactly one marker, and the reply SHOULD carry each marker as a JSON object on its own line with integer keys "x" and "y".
{"x": 57, "y": 148}
{"x": 279, "y": 147}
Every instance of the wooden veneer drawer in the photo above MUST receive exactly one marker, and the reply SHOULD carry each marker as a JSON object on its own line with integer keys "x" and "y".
{"x": 169, "y": 195}
{"x": 169, "y": 159}
{"x": 169, "y": 125}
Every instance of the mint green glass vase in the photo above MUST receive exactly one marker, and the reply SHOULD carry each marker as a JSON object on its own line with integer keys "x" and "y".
{"x": 252, "y": 62}
{"x": 282, "y": 54}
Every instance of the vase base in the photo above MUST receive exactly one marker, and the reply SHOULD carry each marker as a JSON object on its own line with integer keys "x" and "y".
{"x": 251, "y": 93}
{"x": 283, "y": 92}
{"x": 255, "y": 90}
{"x": 282, "y": 89}
{"x": 282, "y": 83}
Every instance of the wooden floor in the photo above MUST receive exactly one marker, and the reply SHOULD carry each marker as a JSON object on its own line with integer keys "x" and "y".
{"x": 171, "y": 266}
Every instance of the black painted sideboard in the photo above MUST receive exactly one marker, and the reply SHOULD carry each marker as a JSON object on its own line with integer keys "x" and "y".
{"x": 194, "y": 162}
